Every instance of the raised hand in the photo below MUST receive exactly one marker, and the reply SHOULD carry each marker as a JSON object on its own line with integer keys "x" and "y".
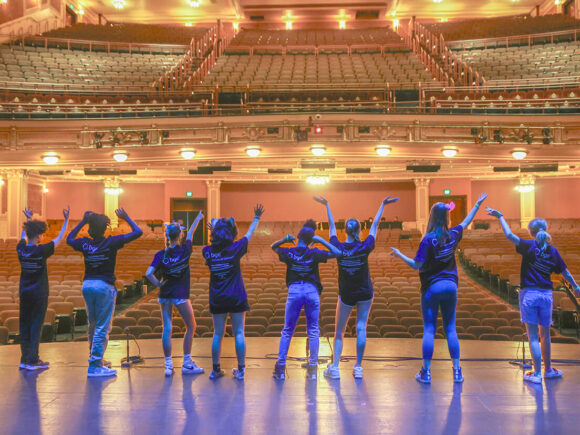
{"x": 258, "y": 210}
{"x": 66, "y": 212}
{"x": 209, "y": 226}
{"x": 28, "y": 213}
{"x": 389, "y": 200}
{"x": 199, "y": 215}
{"x": 395, "y": 252}
{"x": 493, "y": 212}
{"x": 290, "y": 238}
{"x": 320, "y": 200}
{"x": 577, "y": 292}
{"x": 121, "y": 214}
{"x": 482, "y": 197}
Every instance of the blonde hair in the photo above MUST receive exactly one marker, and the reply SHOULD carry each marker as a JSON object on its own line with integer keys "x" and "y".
{"x": 537, "y": 228}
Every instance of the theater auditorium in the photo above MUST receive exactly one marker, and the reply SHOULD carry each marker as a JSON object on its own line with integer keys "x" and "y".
{"x": 256, "y": 217}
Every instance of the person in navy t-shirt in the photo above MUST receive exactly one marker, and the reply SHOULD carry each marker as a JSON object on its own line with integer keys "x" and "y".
{"x": 435, "y": 261}
{"x": 227, "y": 293}
{"x": 169, "y": 271}
{"x": 539, "y": 260}
{"x": 354, "y": 284}
{"x": 304, "y": 288}
{"x": 99, "y": 290}
{"x": 33, "y": 291}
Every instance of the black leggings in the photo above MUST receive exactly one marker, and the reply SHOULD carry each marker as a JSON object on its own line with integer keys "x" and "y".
{"x": 32, "y": 312}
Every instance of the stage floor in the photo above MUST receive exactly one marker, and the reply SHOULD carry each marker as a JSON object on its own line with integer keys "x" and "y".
{"x": 493, "y": 398}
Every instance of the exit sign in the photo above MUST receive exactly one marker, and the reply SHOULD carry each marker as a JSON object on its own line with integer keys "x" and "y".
{"x": 189, "y": 194}
{"x": 447, "y": 192}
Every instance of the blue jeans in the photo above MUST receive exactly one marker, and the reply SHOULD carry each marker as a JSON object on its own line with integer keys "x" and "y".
{"x": 301, "y": 294}
{"x": 100, "y": 300}
{"x": 440, "y": 294}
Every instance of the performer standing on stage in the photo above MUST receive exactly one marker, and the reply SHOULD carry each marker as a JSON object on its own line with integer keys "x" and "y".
{"x": 435, "y": 261}
{"x": 33, "y": 291}
{"x": 539, "y": 260}
{"x": 227, "y": 293}
{"x": 354, "y": 284}
{"x": 304, "y": 288}
{"x": 99, "y": 290}
{"x": 172, "y": 266}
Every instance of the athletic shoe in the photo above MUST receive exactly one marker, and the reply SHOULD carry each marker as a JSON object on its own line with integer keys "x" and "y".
{"x": 458, "y": 375}
{"x": 22, "y": 366}
{"x": 169, "y": 370}
{"x": 107, "y": 364}
{"x": 191, "y": 368}
{"x": 216, "y": 375}
{"x": 279, "y": 372}
{"x": 44, "y": 364}
{"x": 311, "y": 372}
{"x": 424, "y": 376}
{"x": 101, "y": 372}
{"x": 332, "y": 372}
{"x": 38, "y": 366}
{"x": 357, "y": 372}
{"x": 533, "y": 377}
{"x": 239, "y": 374}
{"x": 553, "y": 373}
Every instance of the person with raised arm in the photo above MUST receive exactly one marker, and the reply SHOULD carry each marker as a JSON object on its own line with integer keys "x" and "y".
{"x": 435, "y": 261}
{"x": 354, "y": 284}
{"x": 33, "y": 289}
{"x": 304, "y": 288}
{"x": 171, "y": 273}
{"x": 539, "y": 260}
{"x": 100, "y": 255}
{"x": 227, "y": 293}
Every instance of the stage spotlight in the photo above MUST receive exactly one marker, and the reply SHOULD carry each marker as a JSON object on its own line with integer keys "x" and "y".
{"x": 120, "y": 156}
{"x": 50, "y": 158}
{"x": 318, "y": 150}
{"x": 187, "y": 153}
{"x": 547, "y": 136}
{"x": 497, "y": 136}
{"x": 528, "y": 137}
{"x": 449, "y": 152}
{"x": 318, "y": 129}
{"x": 253, "y": 151}
{"x": 383, "y": 150}
{"x": 519, "y": 154}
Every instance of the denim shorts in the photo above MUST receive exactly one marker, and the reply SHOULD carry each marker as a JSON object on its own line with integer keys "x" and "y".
{"x": 173, "y": 301}
{"x": 536, "y": 306}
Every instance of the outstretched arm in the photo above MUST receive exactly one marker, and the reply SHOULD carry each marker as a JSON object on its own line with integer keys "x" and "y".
{"x": 28, "y": 213}
{"x": 473, "y": 211}
{"x": 193, "y": 226}
{"x": 66, "y": 214}
{"x": 331, "y": 224}
{"x": 151, "y": 277}
{"x": 75, "y": 231}
{"x": 504, "y": 225}
{"x": 258, "y": 212}
{"x": 375, "y": 225}
{"x": 410, "y": 262}
{"x": 136, "y": 232}
{"x": 288, "y": 239}
{"x": 337, "y": 252}
{"x": 568, "y": 277}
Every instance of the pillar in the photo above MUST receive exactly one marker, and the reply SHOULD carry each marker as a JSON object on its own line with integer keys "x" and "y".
{"x": 422, "y": 203}
{"x": 17, "y": 196}
{"x": 112, "y": 191}
{"x": 527, "y": 203}
{"x": 213, "y": 199}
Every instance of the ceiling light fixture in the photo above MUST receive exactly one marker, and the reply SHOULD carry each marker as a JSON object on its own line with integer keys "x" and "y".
{"x": 194, "y": 3}
{"x": 318, "y": 150}
{"x": 187, "y": 153}
{"x": 50, "y": 158}
{"x": 317, "y": 180}
{"x": 449, "y": 152}
{"x": 119, "y": 4}
{"x": 342, "y": 24}
{"x": 383, "y": 150}
{"x": 525, "y": 188}
{"x": 519, "y": 154}
{"x": 253, "y": 151}
{"x": 116, "y": 191}
{"x": 120, "y": 156}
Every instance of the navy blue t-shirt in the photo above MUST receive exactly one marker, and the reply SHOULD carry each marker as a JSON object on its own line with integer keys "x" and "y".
{"x": 302, "y": 264}
{"x": 438, "y": 258}
{"x": 354, "y": 278}
{"x": 34, "y": 274}
{"x": 537, "y": 265}
{"x": 226, "y": 285}
{"x": 100, "y": 256}
{"x": 173, "y": 266}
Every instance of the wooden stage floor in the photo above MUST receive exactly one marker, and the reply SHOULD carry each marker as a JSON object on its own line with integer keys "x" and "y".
{"x": 493, "y": 399}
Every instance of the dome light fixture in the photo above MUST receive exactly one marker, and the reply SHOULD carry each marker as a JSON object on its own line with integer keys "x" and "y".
{"x": 449, "y": 152}
{"x": 120, "y": 156}
{"x": 519, "y": 154}
{"x": 383, "y": 150}
{"x": 317, "y": 180}
{"x": 318, "y": 150}
{"x": 119, "y": 4}
{"x": 51, "y": 158}
{"x": 187, "y": 153}
{"x": 253, "y": 151}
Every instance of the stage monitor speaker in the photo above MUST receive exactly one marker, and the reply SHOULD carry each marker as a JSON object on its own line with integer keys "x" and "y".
{"x": 423, "y": 168}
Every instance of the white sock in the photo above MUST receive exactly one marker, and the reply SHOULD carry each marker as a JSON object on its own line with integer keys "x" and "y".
{"x": 168, "y": 361}
{"x": 187, "y": 359}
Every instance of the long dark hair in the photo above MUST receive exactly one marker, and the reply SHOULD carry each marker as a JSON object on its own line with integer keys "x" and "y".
{"x": 439, "y": 222}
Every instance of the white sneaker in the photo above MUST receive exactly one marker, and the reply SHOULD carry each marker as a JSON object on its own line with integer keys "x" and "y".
{"x": 332, "y": 372}
{"x": 22, "y": 366}
{"x": 191, "y": 368}
{"x": 535, "y": 378}
{"x": 553, "y": 373}
{"x": 357, "y": 372}
{"x": 101, "y": 372}
{"x": 169, "y": 370}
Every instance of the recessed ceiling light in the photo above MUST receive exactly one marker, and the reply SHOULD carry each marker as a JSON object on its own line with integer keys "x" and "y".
{"x": 383, "y": 150}
{"x": 120, "y": 156}
{"x": 50, "y": 158}
{"x": 253, "y": 151}
{"x": 318, "y": 150}
{"x": 519, "y": 154}
{"x": 187, "y": 153}
{"x": 449, "y": 152}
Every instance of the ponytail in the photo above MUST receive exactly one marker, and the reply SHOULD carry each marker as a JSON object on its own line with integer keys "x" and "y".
{"x": 537, "y": 228}
{"x": 543, "y": 239}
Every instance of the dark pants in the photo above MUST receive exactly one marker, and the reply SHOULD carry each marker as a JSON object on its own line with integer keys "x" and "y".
{"x": 32, "y": 312}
